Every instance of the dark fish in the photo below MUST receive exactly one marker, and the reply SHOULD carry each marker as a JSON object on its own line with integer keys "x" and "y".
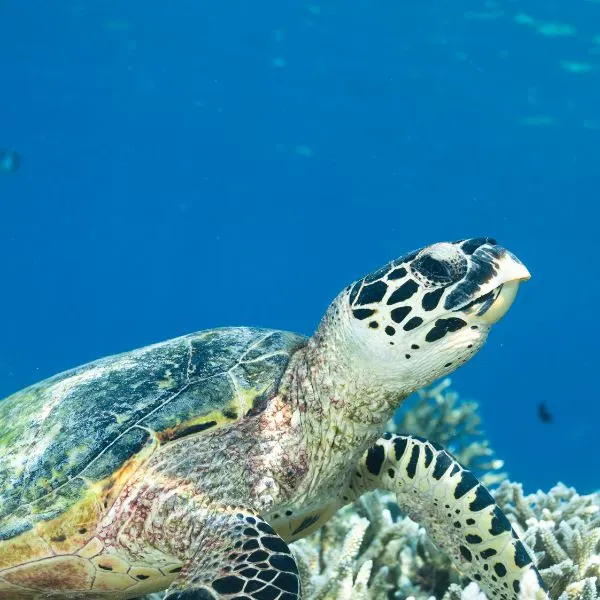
{"x": 543, "y": 413}
{"x": 10, "y": 161}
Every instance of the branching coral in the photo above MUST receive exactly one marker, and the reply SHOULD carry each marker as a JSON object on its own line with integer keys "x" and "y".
{"x": 563, "y": 530}
{"x": 364, "y": 553}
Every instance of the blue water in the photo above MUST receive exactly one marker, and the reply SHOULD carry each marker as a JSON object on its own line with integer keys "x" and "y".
{"x": 188, "y": 165}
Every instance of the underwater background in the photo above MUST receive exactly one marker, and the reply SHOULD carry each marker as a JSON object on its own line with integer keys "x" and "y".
{"x": 189, "y": 164}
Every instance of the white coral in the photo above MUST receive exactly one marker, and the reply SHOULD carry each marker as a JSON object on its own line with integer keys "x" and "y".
{"x": 562, "y": 528}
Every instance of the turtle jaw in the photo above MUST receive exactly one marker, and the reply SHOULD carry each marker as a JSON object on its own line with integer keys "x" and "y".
{"x": 489, "y": 308}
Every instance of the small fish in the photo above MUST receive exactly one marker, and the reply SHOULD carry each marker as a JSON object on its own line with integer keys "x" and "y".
{"x": 543, "y": 413}
{"x": 10, "y": 161}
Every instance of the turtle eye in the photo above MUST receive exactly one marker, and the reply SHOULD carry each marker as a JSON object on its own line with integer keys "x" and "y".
{"x": 433, "y": 269}
{"x": 439, "y": 271}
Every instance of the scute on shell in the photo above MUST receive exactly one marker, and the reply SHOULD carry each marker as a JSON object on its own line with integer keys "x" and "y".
{"x": 83, "y": 427}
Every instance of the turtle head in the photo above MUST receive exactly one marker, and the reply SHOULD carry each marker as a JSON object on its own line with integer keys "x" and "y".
{"x": 423, "y": 315}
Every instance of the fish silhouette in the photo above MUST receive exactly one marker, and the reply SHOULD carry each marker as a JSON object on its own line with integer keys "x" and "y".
{"x": 543, "y": 413}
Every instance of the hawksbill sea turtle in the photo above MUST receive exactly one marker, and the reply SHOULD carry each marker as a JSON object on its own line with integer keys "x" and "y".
{"x": 190, "y": 465}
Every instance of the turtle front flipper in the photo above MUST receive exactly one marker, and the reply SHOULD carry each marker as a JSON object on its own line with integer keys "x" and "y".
{"x": 457, "y": 511}
{"x": 239, "y": 557}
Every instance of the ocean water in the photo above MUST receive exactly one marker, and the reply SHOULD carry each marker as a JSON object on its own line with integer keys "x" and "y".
{"x": 187, "y": 165}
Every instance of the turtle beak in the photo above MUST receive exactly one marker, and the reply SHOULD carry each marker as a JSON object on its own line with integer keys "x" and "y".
{"x": 491, "y": 307}
{"x": 505, "y": 296}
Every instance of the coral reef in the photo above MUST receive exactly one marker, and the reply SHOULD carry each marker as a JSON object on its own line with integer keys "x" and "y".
{"x": 365, "y": 553}
{"x": 562, "y": 529}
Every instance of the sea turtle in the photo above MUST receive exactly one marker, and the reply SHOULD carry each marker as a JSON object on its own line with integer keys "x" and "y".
{"x": 190, "y": 465}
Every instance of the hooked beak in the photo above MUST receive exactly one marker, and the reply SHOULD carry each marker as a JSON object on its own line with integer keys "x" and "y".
{"x": 492, "y": 306}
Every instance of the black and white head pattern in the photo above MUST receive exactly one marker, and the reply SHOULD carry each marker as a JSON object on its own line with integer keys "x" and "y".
{"x": 430, "y": 294}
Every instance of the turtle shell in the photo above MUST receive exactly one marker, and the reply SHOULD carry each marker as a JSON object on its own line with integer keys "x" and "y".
{"x": 73, "y": 432}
